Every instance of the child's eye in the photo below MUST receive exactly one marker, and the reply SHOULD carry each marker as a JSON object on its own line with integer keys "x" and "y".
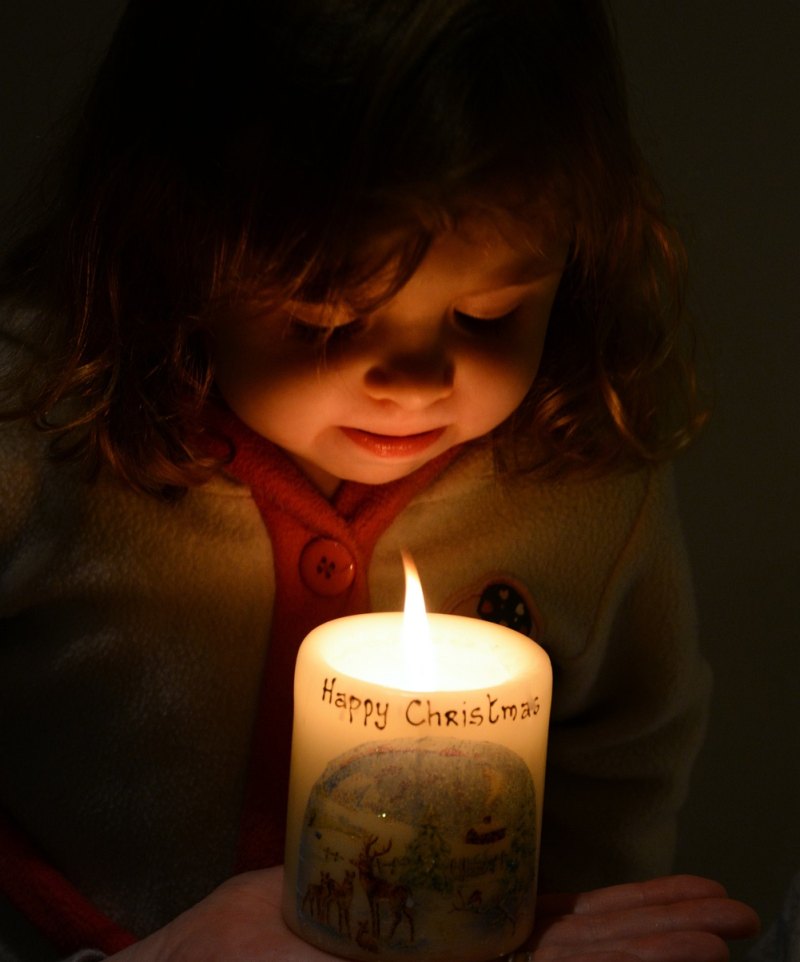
{"x": 311, "y": 333}
{"x": 483, "y": 325}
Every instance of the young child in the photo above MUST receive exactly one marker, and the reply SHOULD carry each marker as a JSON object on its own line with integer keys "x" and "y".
{"x": 324, "y": 280}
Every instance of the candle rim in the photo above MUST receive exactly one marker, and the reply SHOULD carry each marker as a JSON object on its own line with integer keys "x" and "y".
{"x": 522, "y": 647}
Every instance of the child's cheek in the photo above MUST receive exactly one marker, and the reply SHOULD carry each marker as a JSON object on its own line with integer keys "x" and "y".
{"x": 514, "y": 356}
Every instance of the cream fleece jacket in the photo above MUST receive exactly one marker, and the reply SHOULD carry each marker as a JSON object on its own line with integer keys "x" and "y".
{"x": 133, "y": 632}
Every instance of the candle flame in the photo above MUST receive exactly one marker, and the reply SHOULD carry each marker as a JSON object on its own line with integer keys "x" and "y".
{"x": 420, "y": 665}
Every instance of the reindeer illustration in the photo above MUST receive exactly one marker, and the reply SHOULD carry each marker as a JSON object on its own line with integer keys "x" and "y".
{"x": 316, "y": 898}
{"x": 342, "y": 895}
{"x": 472, "y": 904}
{"x": 379, "y": 891}
{"x": 365, "y": 940}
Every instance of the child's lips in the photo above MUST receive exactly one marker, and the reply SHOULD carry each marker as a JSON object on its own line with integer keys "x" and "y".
{"x": 393, "y": 445}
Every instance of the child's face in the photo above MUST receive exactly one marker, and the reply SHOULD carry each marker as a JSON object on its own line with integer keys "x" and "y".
{"x": 445, "y": 361}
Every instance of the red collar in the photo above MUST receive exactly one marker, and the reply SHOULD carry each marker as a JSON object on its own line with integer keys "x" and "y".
{"x": 321, "y": 554}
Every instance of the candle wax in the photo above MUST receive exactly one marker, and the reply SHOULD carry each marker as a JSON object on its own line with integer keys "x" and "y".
{"x": 415, "y": 805}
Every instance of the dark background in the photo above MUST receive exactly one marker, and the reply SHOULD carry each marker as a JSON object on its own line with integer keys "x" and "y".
{"x": 715, "y": 89}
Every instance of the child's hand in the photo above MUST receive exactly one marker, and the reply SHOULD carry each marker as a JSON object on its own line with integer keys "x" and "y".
{"x": 665, "y": 920}
{"x": 240, "y": 921}
{"x": 676, "y": 919}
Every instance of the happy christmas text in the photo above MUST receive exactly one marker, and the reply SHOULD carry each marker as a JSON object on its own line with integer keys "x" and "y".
{"x": 421, "y": 712}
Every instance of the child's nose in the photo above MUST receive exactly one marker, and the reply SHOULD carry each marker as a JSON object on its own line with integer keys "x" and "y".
{"x": 412, "y": 379}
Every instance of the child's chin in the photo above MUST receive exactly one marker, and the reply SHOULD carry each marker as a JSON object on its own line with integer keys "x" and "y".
{"x": 386, "y": 473}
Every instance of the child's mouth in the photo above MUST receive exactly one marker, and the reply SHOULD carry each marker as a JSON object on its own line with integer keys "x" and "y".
{"x": 391, "y": 445}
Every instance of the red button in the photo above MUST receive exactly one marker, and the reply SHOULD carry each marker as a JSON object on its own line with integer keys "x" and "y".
{"x": 327, "y": 567}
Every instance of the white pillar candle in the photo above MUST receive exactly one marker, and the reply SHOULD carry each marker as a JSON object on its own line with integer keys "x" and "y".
{"x": 416, "y": 788}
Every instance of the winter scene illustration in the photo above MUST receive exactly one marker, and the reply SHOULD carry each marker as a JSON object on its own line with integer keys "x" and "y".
{"x": 420, "y": 848}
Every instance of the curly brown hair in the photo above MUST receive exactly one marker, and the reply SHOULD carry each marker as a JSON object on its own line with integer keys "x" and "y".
{"x": 234, "y": 153}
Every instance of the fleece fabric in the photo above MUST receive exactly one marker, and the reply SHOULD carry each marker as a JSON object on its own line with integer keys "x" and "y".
{"x": 143, "y": 663}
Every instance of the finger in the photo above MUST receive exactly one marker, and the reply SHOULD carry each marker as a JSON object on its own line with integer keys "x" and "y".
{"x": 664, "y": 947}
{"x": 659, "y": 891}
{"x": 720, "y": 916}
{"x": 556, "y": 954}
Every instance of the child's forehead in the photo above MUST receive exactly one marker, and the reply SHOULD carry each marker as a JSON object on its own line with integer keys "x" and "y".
{"x": 511, "y": 241}
{"x": 502, "y": 249}
{"x": 478, "y": 254}
{"x": 506, "y": 240}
